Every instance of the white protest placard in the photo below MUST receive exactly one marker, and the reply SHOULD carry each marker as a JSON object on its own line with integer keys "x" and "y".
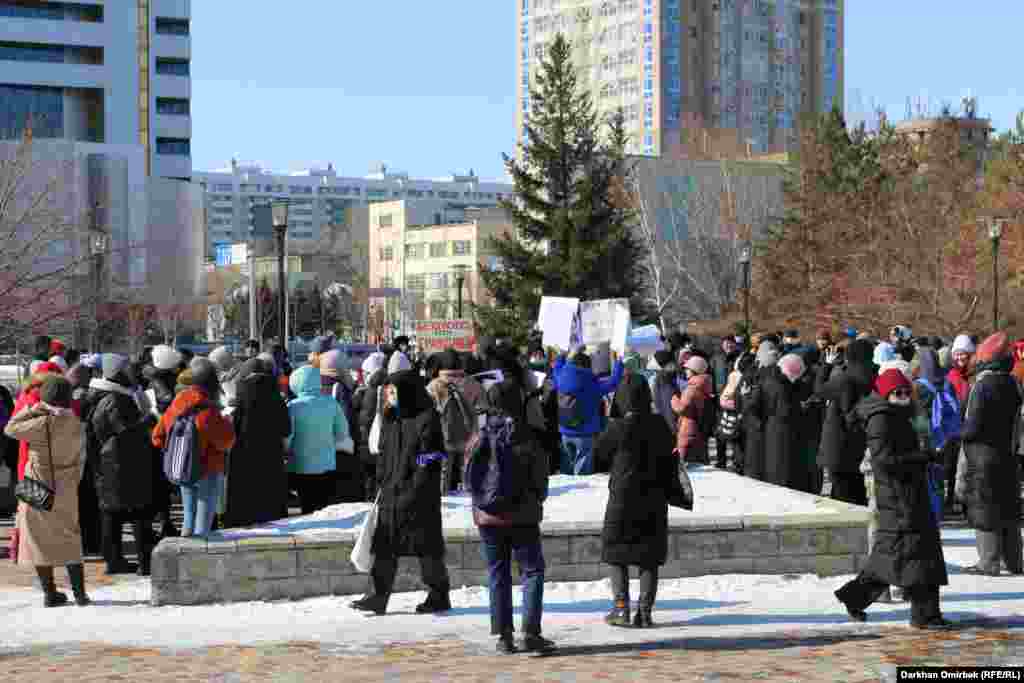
{"x": 605, "y": 321}
{"x": 555, "y": 320}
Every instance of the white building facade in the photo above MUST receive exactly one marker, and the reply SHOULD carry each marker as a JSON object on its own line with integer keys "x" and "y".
{"x": 109, "y": 72}
{"x": 320, "y": 200}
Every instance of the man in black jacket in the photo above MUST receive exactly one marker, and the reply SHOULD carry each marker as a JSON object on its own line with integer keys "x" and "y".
{"x": 842, "y": 438}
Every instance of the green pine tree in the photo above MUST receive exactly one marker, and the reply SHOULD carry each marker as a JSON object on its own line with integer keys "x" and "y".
{"x": 572, "y": 222}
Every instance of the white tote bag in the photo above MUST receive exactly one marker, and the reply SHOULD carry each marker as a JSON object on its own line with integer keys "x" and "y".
{"x": 362, "y": 553}
{"x": 374, "y": 439}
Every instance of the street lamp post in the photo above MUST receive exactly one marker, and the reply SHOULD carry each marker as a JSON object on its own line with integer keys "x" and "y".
{"x": 459, "y": 271}
{"x": 97, "y": 247}
{"x": 995, "y": 234}
{"x": 745, "y": 255}
{"x": 279, "y": 214}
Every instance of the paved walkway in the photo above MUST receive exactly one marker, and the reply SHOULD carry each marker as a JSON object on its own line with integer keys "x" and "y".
{"x": 857, "y": 655}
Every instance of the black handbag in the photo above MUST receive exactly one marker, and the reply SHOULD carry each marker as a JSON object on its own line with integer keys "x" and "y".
{"x": 33, "y": 492}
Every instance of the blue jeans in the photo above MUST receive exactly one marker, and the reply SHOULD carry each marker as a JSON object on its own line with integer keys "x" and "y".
{"x": 200, "y": 503}
{"x": 577, "y": 455}
{"x": 498, "y": 546}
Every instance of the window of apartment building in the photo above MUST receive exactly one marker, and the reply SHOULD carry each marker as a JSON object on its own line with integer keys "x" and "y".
{"x": 693, "y": 31}
{"x": 54, "y": 11}
{"x": 40, "y": 106}
{"x": 438, "y": 281}
{"x": 171, "y": 27}
{"x": 462, "y": 247}
{"x": 414, "y": 251}
{"x": 300, "y": 189}
{"x": 223, "y": 210}
{"x": 387, "y": 253}
{"x": 438, "y": 249}
{"x": 273, "y": 188}
{"x": 174, "y": 146}
{"x": 224, "y": 187}
{"x": 439, "y": 309}
{"x": 385, "y": 220}
{"x": 249, "y": 188}
{"x": 165, "y": 66}
{"x": 415, "y": 283}
{"x": 172, "y": 106}
{"x": 46, "y": 52}
{"x": 387, "y": 282}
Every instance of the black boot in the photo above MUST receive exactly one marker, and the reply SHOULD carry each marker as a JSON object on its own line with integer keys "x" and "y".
{"x": 378, "y": 604}
{"x": 643, "y": 612}
{"x": 619, "y": 616}
{"x": 76, "y": 576}
{"x": 435, "y": 603}
{"x": 51, "y": 596}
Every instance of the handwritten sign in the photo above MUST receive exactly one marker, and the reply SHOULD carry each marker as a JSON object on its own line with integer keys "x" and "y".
{"x": 605, "y": 321}
{"x": 555, "y": 320}
{"x": 438, "y": 335}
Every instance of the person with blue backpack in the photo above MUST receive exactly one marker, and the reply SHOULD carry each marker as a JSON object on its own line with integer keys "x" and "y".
{"x": 937, "y": 418}
{"x": 580, "y": 393}
{"x": 507, "y": 477}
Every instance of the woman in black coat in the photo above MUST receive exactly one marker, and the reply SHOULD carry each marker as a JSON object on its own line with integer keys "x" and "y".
{"x": 748, "y": 402}
{"x": 777, "y": 406}
{"x": 367, "y": 405}
{"x": 257, "y": 483}
{"x": 842, "y": 436}
{"x": 122, "y": 461}
{"x": 992, "y": 475}
{"x": 644, "y": 482}
{"x": 409, "y": 517}
{"x": 907, "y": 549}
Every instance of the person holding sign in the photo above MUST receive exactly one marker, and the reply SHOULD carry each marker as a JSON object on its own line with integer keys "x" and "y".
{"x": 580, "y": 394}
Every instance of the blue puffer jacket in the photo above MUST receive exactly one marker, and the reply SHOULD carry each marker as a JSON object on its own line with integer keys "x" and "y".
{"x": 318, "y": 425}
{"x": 588, "y": 390}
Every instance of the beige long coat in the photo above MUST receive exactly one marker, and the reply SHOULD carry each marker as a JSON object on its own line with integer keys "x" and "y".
{"x": 50, "y": 538}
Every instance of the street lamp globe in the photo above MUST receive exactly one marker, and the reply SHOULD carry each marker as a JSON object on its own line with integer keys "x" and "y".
{"x": 745, "y": 255}
{"x": 995, "y": 230}
{"x": 279, "y": 214}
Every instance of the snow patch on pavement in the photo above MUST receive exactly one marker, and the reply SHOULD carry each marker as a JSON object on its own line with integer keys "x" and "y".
{"x": 725, "y": 607}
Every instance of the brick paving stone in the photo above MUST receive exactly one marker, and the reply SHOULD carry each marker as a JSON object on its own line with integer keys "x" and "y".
{"x": 856, "y": 655}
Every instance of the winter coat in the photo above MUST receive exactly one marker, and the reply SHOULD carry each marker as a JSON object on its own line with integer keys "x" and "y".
{"x": 28, "y": 397}
{"x": 721, "y": 365}
{"x": 907, "y": 550}
{"x": 589, "y": 392}
{"x": 409, "y": 474}
{"x": 776, "y": 404}
{"x": 664, "y": 388}
{"x": 993, "y": 478}
{"x": 257, "y": 487}
{"x": 507, "y": 400}
{"x": 842, "y": 436}
{"x": 644, "y": 481}
{"x": 961, "y": 381}
{"x": 689, "y": 407}
{"x": 161, "y": 389}
{"x": 469, "y": 387}
{"x": 752, "y": 421}
{"x": 369, "y": 405}
{"x": 50, "y": 538}
{"x": 729, "y": 396}
{"x": 125, "y": 467}
{"x": 216, "y": 433}
{"x": 318, "y": 425}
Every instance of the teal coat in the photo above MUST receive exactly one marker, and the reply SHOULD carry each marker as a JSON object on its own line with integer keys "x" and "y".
{"x": 318, "y": 425}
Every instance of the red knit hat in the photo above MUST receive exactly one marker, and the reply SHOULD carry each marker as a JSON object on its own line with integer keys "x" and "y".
{"x": 891, "y": 380}
{"x": 995, "y": 347}
{"x": 57, "y": 347}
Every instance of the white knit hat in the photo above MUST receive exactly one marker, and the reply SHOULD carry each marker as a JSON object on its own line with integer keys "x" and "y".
{"x": 963, "y": 344}
{"x": 222, "y": 358}
{"x": 165, "y": 358}
{"x": 696, "y": 365}
{"x": 399, "y": 362}
{"x": 374, "y": 363}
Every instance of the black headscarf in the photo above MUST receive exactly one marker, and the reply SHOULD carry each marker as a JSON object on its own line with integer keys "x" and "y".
{"x": 413, "y": 398}
{"x": 633, "y": 396}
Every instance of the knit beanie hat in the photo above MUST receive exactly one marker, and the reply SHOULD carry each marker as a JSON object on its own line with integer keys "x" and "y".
{"x": 165, "y": 358}
{"x": 900, "y": 365}
{"x": 222, "y": 358}
{"x": 333, "y": 363}
{"x": 963, "y": 344}
{"x": 57, "y": 347}
{"x": 56, "y": 391}
{"x": 884, "y": 353}
{"x": 374, "y": 363}
{"x": 696, "y": 365}
{"x": 113, "y": 364}
{"x": 204, "y": 373}
{"x": 398, "y": 363}
{"x": 889, "y": 381}
{"x": 60, "y": 363}
{"x": 792, "y": 366}
{"x": 994, "y": 348}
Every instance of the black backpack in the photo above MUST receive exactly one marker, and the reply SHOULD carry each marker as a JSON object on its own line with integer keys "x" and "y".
{"x": 458, "y": 421}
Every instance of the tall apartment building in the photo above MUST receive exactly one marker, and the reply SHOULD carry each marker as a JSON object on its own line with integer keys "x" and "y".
{"x": 114, "y": 72}
{"x": 323, "y": 202}
{"x": 752, "y": 67}
{"x": 421, "y": 247}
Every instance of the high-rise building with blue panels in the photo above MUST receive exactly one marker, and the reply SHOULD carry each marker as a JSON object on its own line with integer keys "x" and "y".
{"x": 747, "y": 69}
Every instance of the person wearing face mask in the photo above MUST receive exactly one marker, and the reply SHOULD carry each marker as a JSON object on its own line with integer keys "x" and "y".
{"x": 409, "y": 473}
{"x": 907, "y": 549}
{"x": 992, "y": 476}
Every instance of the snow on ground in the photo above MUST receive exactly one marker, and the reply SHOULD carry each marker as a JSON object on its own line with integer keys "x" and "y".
{"x": 573, "y": 499}
{"x": 707, "y": 607}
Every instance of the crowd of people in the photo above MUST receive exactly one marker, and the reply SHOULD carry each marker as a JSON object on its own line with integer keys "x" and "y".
{"x": 907, "y": 426}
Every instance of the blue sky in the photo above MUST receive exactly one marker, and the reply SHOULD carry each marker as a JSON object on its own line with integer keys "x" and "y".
{"x": 429, "y": 87}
